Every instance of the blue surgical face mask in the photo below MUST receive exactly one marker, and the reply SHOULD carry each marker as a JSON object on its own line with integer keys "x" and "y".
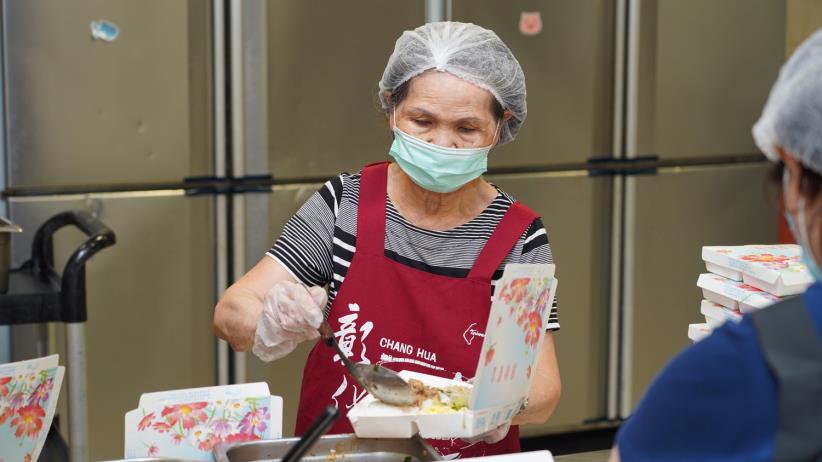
{"x": 434, "y": 167}
{"x": 800, "y": 230}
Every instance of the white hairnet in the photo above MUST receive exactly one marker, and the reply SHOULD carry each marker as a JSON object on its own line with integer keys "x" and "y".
{"x": 468, "y": 51}
{"x": 792, "y": 117}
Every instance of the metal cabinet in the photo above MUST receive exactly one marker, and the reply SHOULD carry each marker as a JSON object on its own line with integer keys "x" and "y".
{"x": 150, "y": 299}
{"x": 81, "y": 111}
{"x": 568, "y": 70}
{"x": 677, "y": 212}
{"x": 575, "y": 209}
{"x": 323, "y": 112}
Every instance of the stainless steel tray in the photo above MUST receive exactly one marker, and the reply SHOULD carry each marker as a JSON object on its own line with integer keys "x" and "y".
{"x": 331, "y": 448}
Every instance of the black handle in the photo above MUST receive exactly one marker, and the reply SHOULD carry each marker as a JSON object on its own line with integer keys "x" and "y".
{"x": 317, "y": 429}
{"x": 73, "y": 288}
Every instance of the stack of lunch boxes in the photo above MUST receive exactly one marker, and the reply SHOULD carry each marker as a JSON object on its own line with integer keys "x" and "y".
{"x": 741, "y": 279}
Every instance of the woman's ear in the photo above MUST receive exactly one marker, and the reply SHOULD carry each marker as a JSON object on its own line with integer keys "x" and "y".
{"x": 506, "y": 116}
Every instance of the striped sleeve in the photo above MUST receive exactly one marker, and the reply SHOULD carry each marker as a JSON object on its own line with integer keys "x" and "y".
{"x": 537, "y": 250}
{"x": 304, "y": 247}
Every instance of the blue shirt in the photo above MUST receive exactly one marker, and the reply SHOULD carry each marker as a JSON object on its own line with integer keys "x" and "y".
{"x": 716, "y": 400}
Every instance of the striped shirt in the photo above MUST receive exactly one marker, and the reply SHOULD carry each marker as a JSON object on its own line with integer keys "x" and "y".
{"x": 318, "y": 243}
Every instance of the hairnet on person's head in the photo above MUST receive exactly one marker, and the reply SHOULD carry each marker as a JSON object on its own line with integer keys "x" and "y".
{"x": 792, "y": 117}
{"x": 468, "y": 51}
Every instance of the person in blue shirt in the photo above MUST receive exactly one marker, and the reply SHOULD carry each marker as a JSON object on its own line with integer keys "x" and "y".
{"x": 752, "y": 390}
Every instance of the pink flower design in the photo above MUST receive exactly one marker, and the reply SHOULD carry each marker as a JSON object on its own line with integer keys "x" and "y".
{"x": 17, "y": 399}
{"x": 145, "y": 422}
{"x": 208, "y": 443}
{"x": 238, "y": 437}
{"x": 27, "y": 457}
{"x": 40, "y": 394}
{"x": 153, "y": 451}
{"x": 177, "y": 439}
{"x": 255, "y": 421}
{"x": 189, "y": 414}
{"x": 161, "y": 427}
{"x": 221, "y": 427}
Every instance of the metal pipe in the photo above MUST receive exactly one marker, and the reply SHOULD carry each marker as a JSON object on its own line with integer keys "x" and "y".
{"x": 238, "y": 158}
{"x": 617, "y": 189}
{"x": 78, "y": 402}
{"x": 220, "y": 205}
{"x": 631, "y": 151}
{"x": 436, "y": 10}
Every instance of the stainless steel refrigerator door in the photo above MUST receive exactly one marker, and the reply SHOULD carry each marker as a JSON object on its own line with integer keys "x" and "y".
{"x": 568, "y": 70}
{"x": 324, "y": 62}
{"x": 678, "y": 212}
{"x": 576, "y": 214}
{"x": 80, "y": 111}
{"x": 705, "y": 70}
{"x": 285, "y": 375}
{"x": 150, "y": 299}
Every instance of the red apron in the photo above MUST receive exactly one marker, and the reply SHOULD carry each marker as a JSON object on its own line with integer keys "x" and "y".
{"x": 404, "y": 318}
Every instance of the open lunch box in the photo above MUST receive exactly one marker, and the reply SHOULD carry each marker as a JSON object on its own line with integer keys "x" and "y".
{"x": 515, "y": 331}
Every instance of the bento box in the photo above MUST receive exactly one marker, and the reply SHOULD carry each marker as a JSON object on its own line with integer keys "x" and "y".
{"x": 699, "y": 331}
{"x": 187, "y": 424}
{"x": 716, "y": 314}
{"x": 734, "y": 294}
{"x": 776, "y": 269}
{"x": 513, "y": 338}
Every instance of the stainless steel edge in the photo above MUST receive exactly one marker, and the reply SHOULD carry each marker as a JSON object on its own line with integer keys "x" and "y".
{"x": 220, "y": 204}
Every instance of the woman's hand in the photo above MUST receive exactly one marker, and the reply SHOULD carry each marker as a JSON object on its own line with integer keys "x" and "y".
{"x": 291, "y": 315}
{"x": 239, "y": 310}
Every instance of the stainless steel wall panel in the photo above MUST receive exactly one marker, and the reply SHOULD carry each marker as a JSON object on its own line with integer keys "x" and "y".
{"x": 285, "y": 375}
{"x": 150, "y": 299}
{"x": 678, "y": 212}
{"x": 707, "y": 69}
{"x": 575, "y": 211}
{"x": 568, "y": 70}
{"x": 81, "y": 111}
{"x": 324, "y": 116}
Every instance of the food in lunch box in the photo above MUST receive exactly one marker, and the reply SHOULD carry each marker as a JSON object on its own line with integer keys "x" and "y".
{"x": 436, "y": 400}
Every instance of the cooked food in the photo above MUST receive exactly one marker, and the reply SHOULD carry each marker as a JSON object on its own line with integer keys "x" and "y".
{"x": 437, "y": 400}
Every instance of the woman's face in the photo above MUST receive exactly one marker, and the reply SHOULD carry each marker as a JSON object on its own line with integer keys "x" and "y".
{"x": 445, "y": 110}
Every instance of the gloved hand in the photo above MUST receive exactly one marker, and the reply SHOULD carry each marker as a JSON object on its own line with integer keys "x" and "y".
{"x": 492, "y": 436}
{"x": 291, "y": 315}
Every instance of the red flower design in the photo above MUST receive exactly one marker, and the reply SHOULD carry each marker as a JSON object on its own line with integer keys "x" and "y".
{"x": 145, "y": 422}
{"x": 8, "y": 411}
{"x": 208, "y": 443}
{"x": 177, "y": 439}
{"x": 29, "y": 421}
{"x": 489, "y": 355}
{"x": 27, "y": 457}
{"x": 533, "y": 328}
{"x": 4, "y": 388}
{"x": 189, "y": 414}
{"x": 153, "y": 450}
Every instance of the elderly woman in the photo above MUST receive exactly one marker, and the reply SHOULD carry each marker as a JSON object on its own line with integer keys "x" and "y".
{"x": 752, "y": 391}
{"x": 410, "y": 249}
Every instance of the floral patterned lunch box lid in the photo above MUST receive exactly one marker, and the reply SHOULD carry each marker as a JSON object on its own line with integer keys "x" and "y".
{"x": 746, "y": 296}
{"x": 774, "y": 268}
{"x": 187, "y": 424}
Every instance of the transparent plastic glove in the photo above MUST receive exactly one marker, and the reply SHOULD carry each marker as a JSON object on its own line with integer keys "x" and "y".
{"x": 492, "y": 436}
{"x": 291, "y": 315}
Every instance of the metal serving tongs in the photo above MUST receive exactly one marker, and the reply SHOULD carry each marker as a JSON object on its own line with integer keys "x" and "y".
{"x": 383, "y": 383}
